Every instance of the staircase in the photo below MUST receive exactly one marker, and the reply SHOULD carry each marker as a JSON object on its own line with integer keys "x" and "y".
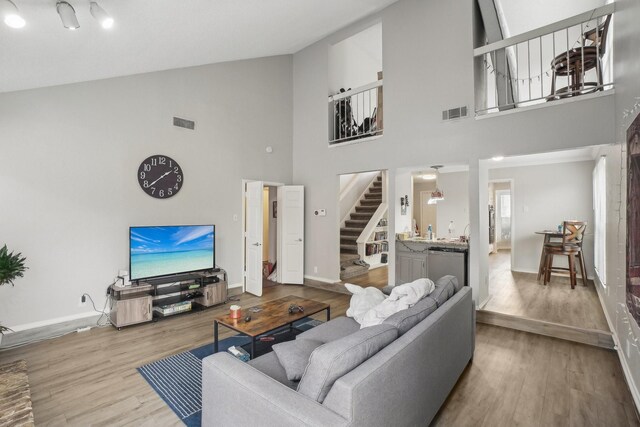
{"x": 349, "y": 234}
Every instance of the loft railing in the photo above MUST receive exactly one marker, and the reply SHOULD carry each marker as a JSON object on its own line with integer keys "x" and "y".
{"x": 356, "y": 113}
{"x": 561, "y": 60}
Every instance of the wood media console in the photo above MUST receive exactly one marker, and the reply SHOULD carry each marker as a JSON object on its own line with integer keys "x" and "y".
{"x": 164, "y": 297}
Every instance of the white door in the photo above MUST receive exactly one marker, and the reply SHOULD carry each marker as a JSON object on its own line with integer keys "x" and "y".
{"x": 291, "y": 234}
{"x": 253, "y": 240}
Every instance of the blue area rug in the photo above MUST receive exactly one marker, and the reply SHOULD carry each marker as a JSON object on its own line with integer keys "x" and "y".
{"x": 178, "y": 379}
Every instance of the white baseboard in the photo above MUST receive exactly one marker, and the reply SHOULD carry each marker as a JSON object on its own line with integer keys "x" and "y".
{"x": 321, "y": 279}
{"x": 235, "y": 285}
{"x": 54, "y": 321}
{"x": 633, "y": 388}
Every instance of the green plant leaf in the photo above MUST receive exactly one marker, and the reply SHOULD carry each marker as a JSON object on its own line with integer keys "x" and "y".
{"x": 11, "y": 266}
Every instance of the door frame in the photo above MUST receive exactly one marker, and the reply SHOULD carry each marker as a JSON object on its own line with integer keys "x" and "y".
{"x": 243, "y": 225}
{"x": 511, "y": 183}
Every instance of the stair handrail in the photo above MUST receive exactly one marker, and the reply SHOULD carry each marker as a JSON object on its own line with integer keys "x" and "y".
{"x": 343, "y": 223}
{"x": 370, "y": 227}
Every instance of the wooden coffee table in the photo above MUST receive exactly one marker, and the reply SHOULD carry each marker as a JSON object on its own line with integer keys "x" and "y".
{"x": 274, "y": 315}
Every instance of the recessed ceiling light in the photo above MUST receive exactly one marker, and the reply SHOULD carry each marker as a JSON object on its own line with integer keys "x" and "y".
{"x": 101, "y": 15}
{"x": 11, "y": 15}
{"x": 67, "y": 15}
{"x": 429, "y": 176}
{"x": 497, "y": 158}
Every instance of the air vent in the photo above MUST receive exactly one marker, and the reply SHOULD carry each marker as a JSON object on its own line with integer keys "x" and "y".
{"x": 184, "y": 123}
{"x": 454, "y": 113}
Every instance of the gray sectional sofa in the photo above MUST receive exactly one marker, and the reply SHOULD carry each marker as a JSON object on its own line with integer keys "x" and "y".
{"x": 395, "y": 374}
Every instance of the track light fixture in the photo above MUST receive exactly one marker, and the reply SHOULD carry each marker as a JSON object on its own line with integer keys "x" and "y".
{"x": 10, "y": 14}
{"x": 67, "y": 15}
{"x": 101, "y": 15}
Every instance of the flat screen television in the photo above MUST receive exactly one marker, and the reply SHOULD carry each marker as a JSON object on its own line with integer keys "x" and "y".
{"x": 168, "y": 250}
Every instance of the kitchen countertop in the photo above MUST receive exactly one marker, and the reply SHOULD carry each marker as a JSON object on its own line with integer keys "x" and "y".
{"x": 444, "y": 243}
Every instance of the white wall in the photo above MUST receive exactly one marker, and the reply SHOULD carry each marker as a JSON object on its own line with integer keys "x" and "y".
{"x": 626, "y": 38}
{"x": 542, "y": 198}
{"x": 355, "y": 61}
{"x": 416, "y": 90}
{"x": 455, "y": 206}
{"x": 68, "y": 163}
{"x": 430, "y": 211}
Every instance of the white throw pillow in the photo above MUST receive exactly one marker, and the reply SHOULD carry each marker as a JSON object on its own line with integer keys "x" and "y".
{"x": 363, "y": 300}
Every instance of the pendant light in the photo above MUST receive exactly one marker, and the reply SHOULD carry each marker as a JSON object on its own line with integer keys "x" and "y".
{"x": 436, "y": 195}
{"x": 67, "y": 15}
{"x": 10, "y": 14}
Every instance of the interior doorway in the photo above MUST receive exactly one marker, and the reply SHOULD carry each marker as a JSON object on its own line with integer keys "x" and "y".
{"x": 272, "y": 235}
{"x": 269, "y": 236}
{"x": 363, "y": 228}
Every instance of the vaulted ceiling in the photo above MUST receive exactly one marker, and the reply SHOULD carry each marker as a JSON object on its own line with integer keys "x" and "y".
{"x": 153, "y": 35}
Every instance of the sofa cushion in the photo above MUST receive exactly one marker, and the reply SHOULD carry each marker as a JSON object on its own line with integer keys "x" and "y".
{"x": 269, "y": 365}
{"x": 444, "y": 290}
{"x": 335, "y": 359}
{"x": 407, "y": 319}
{"x": 294, "y": 356}
{"x": 332, "y": 330}
{"x": 453, "y": 279}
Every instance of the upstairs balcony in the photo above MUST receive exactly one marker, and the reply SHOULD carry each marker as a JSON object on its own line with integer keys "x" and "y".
{"x": 568, "y": 59}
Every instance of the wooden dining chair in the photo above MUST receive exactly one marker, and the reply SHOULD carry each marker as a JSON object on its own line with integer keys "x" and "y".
{"x": 571, "y": 247}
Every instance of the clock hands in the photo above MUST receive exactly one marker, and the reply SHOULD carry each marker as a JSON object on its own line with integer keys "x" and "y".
{"x": 165, "y": 174}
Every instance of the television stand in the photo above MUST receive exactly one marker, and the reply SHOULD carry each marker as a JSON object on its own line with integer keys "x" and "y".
{"x": 163, "y": 297}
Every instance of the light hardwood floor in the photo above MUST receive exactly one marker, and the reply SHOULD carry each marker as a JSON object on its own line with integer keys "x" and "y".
{"x": 521, "y": 294}
{"x": 378, "y": 277}
{"x": 516, "y": 378}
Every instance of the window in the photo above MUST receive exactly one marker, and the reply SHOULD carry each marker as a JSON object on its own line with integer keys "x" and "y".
{"x": 505, "y": 206}
{"x": 600, "y": 219}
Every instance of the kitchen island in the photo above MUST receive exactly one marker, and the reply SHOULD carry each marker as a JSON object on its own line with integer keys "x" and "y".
{"x": 418, "y": 257}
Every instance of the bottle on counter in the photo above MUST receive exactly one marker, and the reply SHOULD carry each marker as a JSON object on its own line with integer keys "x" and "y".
{"x": 452, "y": 230}
{"x": 429, "y": 232}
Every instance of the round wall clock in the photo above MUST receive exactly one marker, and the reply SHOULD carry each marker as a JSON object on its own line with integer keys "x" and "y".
{"x": 160, "y": 176}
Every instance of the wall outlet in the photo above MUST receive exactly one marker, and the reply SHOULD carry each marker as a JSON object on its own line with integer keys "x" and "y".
{"x": 315, "y": 269}
{"x": 83, "y": 301}
{"x": 235, "y": 217}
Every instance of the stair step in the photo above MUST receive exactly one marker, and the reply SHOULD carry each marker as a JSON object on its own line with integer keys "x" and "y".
{"x": 374, "y": 196}
{"x": 375, "y": 190}
{"x": 347, "y": 260}
{"x": 351, "y": 231}
{"x": 366, "y": 209}
{"x": 352, "y": 271}
{"x": 353, "y": 223}
{"x": 377, "y": 183}
{"x": 372, "y": 202}
{"x": 348, "y": 240}
{"x": 348, "y": 249}
{"x": 361, "y": 216}
{"x": 379, "y": 178}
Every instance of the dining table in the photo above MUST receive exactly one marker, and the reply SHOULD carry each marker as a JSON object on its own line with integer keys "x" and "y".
{"x": 548, "y": 235}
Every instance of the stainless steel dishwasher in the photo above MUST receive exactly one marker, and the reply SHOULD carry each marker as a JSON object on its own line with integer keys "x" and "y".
{"x": 443, "y": 261}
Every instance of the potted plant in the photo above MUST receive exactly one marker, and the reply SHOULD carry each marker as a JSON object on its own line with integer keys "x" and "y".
{"x": 11, "y": 267}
